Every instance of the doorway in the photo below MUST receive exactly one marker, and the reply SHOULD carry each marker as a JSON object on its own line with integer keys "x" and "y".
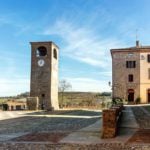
{"x": 12, "y": 107}
{"x": 43, "y": 101}
{"x": 148, "y": 95}
{"x": 18, "y": 107}
{"x": 130, "y": 95}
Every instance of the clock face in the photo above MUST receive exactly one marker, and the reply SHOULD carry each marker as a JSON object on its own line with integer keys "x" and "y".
{"x": 41, "y": 62}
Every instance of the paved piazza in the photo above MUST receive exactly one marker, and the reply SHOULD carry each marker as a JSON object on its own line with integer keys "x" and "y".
{"x": 61, "y": 122}
{"x": 73, "y": 129}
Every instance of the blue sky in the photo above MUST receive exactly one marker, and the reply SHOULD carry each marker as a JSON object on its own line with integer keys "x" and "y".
{"x": 85, "y": 31}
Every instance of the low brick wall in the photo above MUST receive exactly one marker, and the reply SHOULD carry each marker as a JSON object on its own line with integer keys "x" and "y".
{"x": 111, "y": 119}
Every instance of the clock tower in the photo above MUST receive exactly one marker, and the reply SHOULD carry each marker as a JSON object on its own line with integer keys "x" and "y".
{"x": 44, "y": 74}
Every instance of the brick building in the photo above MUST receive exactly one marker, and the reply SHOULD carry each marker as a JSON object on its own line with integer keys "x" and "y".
{"x": 131, "y": 73}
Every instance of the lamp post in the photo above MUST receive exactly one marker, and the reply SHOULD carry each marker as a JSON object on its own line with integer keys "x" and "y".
{"x": 109, "y": 83}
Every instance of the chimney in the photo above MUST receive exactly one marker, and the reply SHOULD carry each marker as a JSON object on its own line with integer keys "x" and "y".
{"x": 137, "y": 43}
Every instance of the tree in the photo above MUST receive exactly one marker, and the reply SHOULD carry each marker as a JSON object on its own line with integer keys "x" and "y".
{"x": 63, "y": 86}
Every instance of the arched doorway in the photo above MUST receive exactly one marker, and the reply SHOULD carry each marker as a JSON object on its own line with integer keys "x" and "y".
{"x": 148, "y": 95}
{"x": 130, "y": 95}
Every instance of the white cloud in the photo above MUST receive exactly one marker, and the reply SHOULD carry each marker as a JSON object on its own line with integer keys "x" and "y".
{"x": 13, "y": 20}
{"x": 12, "y": 81}
{"x": 88, "y": 85}
{"x": 105, "y": 73}
{"x": 8, "y": 19}
{"x": 11, "y": 86}
{"x": 4, "y": 20}
{"x": 83, "y": 44}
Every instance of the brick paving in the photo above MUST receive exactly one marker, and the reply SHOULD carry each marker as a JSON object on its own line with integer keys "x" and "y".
{"x": 142, "y": 136}
{"x": 53, "y": 137}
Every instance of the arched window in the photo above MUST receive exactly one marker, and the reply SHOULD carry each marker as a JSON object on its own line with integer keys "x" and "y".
{"x": 148, "y": 95}
{"x": 55, "y": 53}
{"x": 41, "y": 51}
{"x": 43, "y": 95}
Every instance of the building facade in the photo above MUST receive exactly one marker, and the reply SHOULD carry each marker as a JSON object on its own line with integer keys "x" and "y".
{"x": 131, "y": 73}
{"x": 18, "y": 104}
{"x": 44, "y": 74}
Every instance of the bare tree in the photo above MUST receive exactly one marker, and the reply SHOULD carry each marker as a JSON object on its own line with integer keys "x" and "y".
{"x": 63, "y": 86}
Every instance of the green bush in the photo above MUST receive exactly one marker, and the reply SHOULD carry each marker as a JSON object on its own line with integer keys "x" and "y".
{"x": 138, "y": 100}
{"x": 117, "y": 100}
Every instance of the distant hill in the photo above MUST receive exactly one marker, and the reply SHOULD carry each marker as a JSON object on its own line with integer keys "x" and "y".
{"x": 22, "y": 95}
{"x": 72, "y": 99}
{"x": 82, "y": 98}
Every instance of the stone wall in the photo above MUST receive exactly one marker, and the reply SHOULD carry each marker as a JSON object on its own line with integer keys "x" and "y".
{"x": 141, "y": 81}
{"x": 33, "y": 103}
{"x": 120, "y": 74}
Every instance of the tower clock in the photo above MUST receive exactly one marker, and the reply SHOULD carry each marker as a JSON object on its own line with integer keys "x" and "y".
{"x": 44, "y": 76}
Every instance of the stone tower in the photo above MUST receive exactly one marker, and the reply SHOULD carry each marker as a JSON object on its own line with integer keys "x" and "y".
{"x": 44, "y": 74}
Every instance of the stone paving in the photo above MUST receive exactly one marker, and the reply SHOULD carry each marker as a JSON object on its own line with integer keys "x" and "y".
{"x": 45, "y": 122}
{"x": 14, "y": 114}
{"x": 92, "y": 133}
{"x": 142, "y": 136}
{"x": 73, "y": 130}
{"x": 142, "y": 116}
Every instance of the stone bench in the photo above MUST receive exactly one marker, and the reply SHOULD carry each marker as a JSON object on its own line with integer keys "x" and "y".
{"x": 111, "y": 119}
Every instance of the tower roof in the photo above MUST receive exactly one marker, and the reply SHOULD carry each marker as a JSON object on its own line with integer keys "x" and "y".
{"x": 43, "y": 42}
